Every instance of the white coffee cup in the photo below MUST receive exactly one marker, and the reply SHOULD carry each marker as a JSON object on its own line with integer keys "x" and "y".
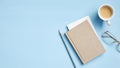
{"x": 106, "y": 12}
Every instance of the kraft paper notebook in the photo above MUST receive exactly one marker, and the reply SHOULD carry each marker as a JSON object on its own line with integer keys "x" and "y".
{"x": 85, "y": 41}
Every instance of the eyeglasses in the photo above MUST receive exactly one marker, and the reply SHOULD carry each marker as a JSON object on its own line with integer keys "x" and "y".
{"x": 111, "y": 39}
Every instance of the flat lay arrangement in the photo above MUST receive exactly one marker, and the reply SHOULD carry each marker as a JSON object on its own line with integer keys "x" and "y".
{"x": 83, "y": 37}
{"x": 59, "y": 33}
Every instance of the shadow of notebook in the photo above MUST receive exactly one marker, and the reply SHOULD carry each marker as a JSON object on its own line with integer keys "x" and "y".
{"x": 85, "y": 41}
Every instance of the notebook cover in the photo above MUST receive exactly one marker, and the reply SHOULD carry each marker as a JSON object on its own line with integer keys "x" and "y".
{"x": 85, "y": 41}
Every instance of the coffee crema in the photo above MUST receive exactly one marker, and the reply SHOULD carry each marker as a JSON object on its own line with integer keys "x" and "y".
{"x": 106, "y": 12}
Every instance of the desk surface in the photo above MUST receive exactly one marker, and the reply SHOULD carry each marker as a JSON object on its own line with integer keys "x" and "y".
{"x": 29, "y": 33}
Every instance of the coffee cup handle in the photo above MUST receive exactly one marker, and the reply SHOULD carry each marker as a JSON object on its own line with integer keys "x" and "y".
{"x": 108, "y": 23}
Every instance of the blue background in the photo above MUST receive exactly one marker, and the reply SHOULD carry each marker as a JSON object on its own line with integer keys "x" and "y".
{"x": 29, "y": 33}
